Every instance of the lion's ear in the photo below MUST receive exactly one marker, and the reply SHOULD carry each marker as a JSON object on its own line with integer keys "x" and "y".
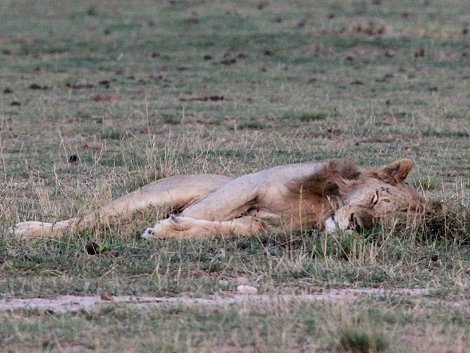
{"x": 396, "y": 172}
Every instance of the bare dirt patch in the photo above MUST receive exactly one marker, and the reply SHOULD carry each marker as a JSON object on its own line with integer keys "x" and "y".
{"x": 72, "y": 303}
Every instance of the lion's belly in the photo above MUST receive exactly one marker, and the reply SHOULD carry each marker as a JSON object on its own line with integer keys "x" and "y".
{"x": 266, "y": 191}
{"x": 275, "y": 204}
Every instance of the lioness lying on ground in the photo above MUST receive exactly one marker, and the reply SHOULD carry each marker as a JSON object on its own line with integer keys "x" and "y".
{"x": 327, "y": 195}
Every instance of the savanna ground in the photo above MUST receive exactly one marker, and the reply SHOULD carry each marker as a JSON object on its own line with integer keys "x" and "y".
{"x": 99, "y": 98}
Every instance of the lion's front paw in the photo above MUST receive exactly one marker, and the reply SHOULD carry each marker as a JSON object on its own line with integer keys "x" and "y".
{"x": 31, "y": 230}
{"x": 173, "y": 227}
{"x": 149, "y": 233}
{"x": 159, "y": 231}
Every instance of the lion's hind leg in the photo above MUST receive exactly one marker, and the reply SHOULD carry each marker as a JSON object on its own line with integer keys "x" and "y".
{"x": 173, "y": 192}
{"x": 36, "y": 230}
{"x": 32, "y": 230}
{"x": 188, "y": 228}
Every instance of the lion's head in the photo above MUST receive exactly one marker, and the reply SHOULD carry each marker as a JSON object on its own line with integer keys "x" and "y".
{"x": 377, "y": 194}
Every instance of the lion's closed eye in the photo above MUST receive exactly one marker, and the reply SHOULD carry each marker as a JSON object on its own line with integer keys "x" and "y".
{"x": 375, "y": 199}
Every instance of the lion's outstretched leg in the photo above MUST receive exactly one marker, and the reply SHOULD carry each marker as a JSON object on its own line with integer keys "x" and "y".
{"x": 174, "y": 192}
{"x": 178, "y": 227}
{"x": 228, "y": 202}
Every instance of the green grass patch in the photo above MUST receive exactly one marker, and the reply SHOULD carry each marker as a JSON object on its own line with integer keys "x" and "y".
{"x": 305, "y": 116}
{"x": 356, "y": 340}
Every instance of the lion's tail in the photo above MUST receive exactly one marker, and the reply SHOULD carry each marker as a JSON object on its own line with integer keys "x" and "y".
{"x": 174, "y": 193}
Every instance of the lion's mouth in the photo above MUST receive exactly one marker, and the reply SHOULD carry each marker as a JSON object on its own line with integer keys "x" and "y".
{"x": 357, "y": 221}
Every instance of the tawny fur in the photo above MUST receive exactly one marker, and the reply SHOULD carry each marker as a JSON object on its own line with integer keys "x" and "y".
{"x": 331, "y": 195}
{"x": 334, "y": 180}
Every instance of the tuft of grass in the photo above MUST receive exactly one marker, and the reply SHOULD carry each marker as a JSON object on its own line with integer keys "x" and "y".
{"x": 357, "y": 340}
{"x": 426, "y": 184}
{"x": 171, "y": 119}
{"x": 114, "y": 135}
{"x": 446, "y": 133}
{"x": 356, "y": 332}
{"x": 305, "y": 116}
{"x": 251, "y": 125}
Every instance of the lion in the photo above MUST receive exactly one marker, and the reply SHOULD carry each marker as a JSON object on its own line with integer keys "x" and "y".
{"x": 329, "y": 195}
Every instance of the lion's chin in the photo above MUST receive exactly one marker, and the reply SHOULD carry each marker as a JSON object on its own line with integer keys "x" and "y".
{"x": 330, "y": 225}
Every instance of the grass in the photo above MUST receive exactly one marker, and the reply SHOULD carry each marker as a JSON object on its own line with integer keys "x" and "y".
{"x": 163, "y": 267}
{"x": 282, "y": 327}
{"x": 363, "y": 81}
{"x": 355, "y": 340}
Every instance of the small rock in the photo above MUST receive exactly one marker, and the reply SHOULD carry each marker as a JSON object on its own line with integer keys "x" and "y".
{"x": 92, "y": 248}
{"x": 357, "y": 82}
{"x": 419, "y": 53}
{"x": 35, "y": 86}
{"x": 91, "y": 11}
{"x": 73, "y": 158}
{"x": 242, "y": 289}
{"x": 105, "y": 83}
